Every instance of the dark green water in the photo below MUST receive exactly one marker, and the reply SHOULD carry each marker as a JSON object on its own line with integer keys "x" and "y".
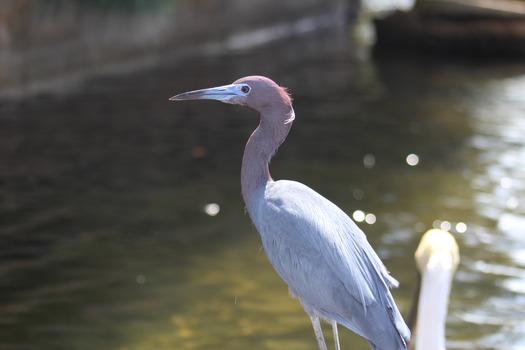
{"x": 106, "y": 243}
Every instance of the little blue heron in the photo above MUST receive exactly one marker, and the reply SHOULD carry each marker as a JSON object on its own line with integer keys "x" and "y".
{"x": 313, "y": 245}
{"x": 437, "y": 258}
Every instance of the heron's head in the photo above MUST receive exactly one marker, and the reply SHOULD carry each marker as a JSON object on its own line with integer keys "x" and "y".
{"x": 257, "y": 92}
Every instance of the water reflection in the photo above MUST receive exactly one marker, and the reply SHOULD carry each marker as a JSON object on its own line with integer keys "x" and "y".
{"x": 107, "y": 233}
{"x": 498, "y": 182}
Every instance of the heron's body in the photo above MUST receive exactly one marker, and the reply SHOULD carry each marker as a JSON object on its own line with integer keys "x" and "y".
{"x": 327, "y": 262}
{"x": 313, "y": 245}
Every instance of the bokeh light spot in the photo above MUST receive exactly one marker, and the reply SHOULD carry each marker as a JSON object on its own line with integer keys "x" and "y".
{"x": 369, "y": 161}
{"x": 461, "y": 227}
{"x": 359, "y": 216}
{"x": 445, "y": 225}
{"x": 358, "y": 194}
{"x": 505, "y": 182}
{"x": 370, "y": 218}
{"x": 513, "y": 203}
{"x": 212, "y": 209}
{"x": 412, "y": 159}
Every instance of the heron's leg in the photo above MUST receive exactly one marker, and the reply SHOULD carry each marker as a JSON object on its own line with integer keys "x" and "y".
{"x": 336, "y": 334}
{"x": 318, "y": 332}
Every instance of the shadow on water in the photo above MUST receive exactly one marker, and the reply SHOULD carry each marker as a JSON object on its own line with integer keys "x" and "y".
{"x": 106, "y": 243}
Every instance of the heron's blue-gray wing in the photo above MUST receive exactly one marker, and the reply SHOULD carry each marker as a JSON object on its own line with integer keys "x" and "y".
{"x": 327, "y": 261}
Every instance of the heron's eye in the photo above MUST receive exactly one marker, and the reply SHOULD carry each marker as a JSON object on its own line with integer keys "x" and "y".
{"x": 245, "y": 89}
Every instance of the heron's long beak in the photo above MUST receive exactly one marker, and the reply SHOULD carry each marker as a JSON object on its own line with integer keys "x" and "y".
{"x": 221, "y": 93}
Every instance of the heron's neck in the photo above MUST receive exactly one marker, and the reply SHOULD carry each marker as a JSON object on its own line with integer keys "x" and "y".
{"x": 260, "y": 148}
{"x": 433, "y": 303}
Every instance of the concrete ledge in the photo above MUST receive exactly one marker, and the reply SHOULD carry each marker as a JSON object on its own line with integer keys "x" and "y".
{"x": 43, "y": 42}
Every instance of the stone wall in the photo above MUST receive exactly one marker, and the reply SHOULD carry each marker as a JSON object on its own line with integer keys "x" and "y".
{"x": 46, "y": 41}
